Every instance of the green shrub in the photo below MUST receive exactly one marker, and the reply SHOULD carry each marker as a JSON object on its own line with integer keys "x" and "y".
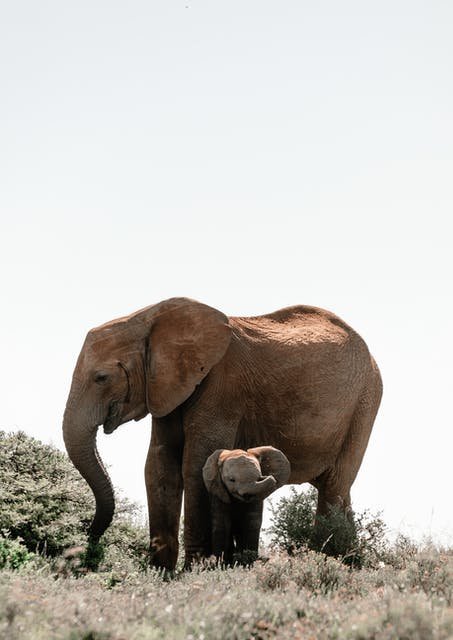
{"x": 13, "y": 554}
{"x": 44, "y": 500}
{"x": 292, "y": 520}
{"x": 358, "y": 541}
{"x": 336, "y": 535}
{"x": 46, "y": 504}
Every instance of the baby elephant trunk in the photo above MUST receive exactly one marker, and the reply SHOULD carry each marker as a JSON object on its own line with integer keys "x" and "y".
{"x": 258, "y": 490}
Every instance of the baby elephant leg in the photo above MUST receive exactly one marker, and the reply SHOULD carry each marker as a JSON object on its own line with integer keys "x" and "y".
{"x": 222, "y": 535}
{"x": 247, "y": 519}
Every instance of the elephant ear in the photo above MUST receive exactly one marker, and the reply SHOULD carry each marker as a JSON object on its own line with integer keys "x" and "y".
{"x": 185, "y": 342}
{"x": 273, "y": 462}
{"x": 212, "y": 476}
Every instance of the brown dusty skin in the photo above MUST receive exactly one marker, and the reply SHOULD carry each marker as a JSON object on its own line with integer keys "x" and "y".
{"x": 299, "y": 379}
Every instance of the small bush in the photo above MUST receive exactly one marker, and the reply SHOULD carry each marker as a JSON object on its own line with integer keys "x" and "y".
{"x": 402, "y": 551}
{"x": 358, "y": 541}
{"x": 312, "y": 571}
{"x": 320, "y": 574}
{"x": 275, "y": 574}
{"x": 336, "y": 535}
{"x": 13, "y": 554}
{"x": 293, "y": 517}
{"x": 433, "y": 574}
{"x": 47, "y": 505}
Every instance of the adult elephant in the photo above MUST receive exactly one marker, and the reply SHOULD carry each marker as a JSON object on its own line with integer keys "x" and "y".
{"x": 298, "y": 379}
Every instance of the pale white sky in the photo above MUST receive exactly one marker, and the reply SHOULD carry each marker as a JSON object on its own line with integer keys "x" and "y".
{"x": 248, "y": 154}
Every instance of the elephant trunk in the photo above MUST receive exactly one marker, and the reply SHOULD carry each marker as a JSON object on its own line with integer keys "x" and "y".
{"x": 260, "y": 489}
{"x": 80, "y": 444}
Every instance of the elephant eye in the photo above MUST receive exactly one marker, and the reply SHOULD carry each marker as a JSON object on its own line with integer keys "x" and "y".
{"x": 231, "y": 479}
{"x": 100, "y": 377}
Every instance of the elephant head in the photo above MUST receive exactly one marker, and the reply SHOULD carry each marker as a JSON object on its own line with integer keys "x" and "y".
{"x": 148, "y": 362}
{"x": 245, "y": 475}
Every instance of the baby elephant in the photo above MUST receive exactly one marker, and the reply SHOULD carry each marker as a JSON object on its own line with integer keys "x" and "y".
{"x": 238, "y": 481}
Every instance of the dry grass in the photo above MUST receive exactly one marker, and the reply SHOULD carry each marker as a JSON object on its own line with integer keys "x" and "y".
{"x": 305, "y": 596}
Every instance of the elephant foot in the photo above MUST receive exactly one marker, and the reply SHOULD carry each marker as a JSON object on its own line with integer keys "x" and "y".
{"x": 163, "y": 554}
{"x": 245, "y": 558}
{"x": 198, "y": 557}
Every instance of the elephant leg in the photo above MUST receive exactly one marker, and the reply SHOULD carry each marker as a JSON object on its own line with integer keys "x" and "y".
{"x": 222, "y": 535}
{"x": 197, "y": 520}
{"x": 197, "y": 513}
{"x": 247, "y": 519}
{"x": 164, "y": 488}
{"x": 335, "y": 483}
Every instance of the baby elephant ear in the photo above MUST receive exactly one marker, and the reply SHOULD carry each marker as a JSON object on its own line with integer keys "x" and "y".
{"x": 273, "y": 462}
{"x": 212, "y": 476}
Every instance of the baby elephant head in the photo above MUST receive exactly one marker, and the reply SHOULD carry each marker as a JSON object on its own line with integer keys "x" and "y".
{"x": 245, "y": 475}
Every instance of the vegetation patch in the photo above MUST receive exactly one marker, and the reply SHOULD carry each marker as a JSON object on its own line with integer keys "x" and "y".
{"x": 359, "y": 540}
{"x": 389, "y": 592}
{"x": 13, "y": 554}
{"x": 46, "y": 507}
{"x": 305, "y": 595}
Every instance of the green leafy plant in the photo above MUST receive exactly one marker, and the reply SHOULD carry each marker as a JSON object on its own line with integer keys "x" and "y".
{"x": 292, "y": 520}
{"x": 13, "y": 554}
{"x": 358, "y": 540}
{"x": 46, "y": 504}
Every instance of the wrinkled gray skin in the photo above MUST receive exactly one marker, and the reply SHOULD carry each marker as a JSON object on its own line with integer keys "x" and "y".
{"x": 244, "y": 480}
{"x": 238, "y": 481}
{"x": 299, "y": 379}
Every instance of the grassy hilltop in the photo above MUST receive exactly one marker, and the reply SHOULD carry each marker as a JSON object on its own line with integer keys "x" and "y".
{"x": 304, "y": 596}
{"x": 379, "y": 590}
